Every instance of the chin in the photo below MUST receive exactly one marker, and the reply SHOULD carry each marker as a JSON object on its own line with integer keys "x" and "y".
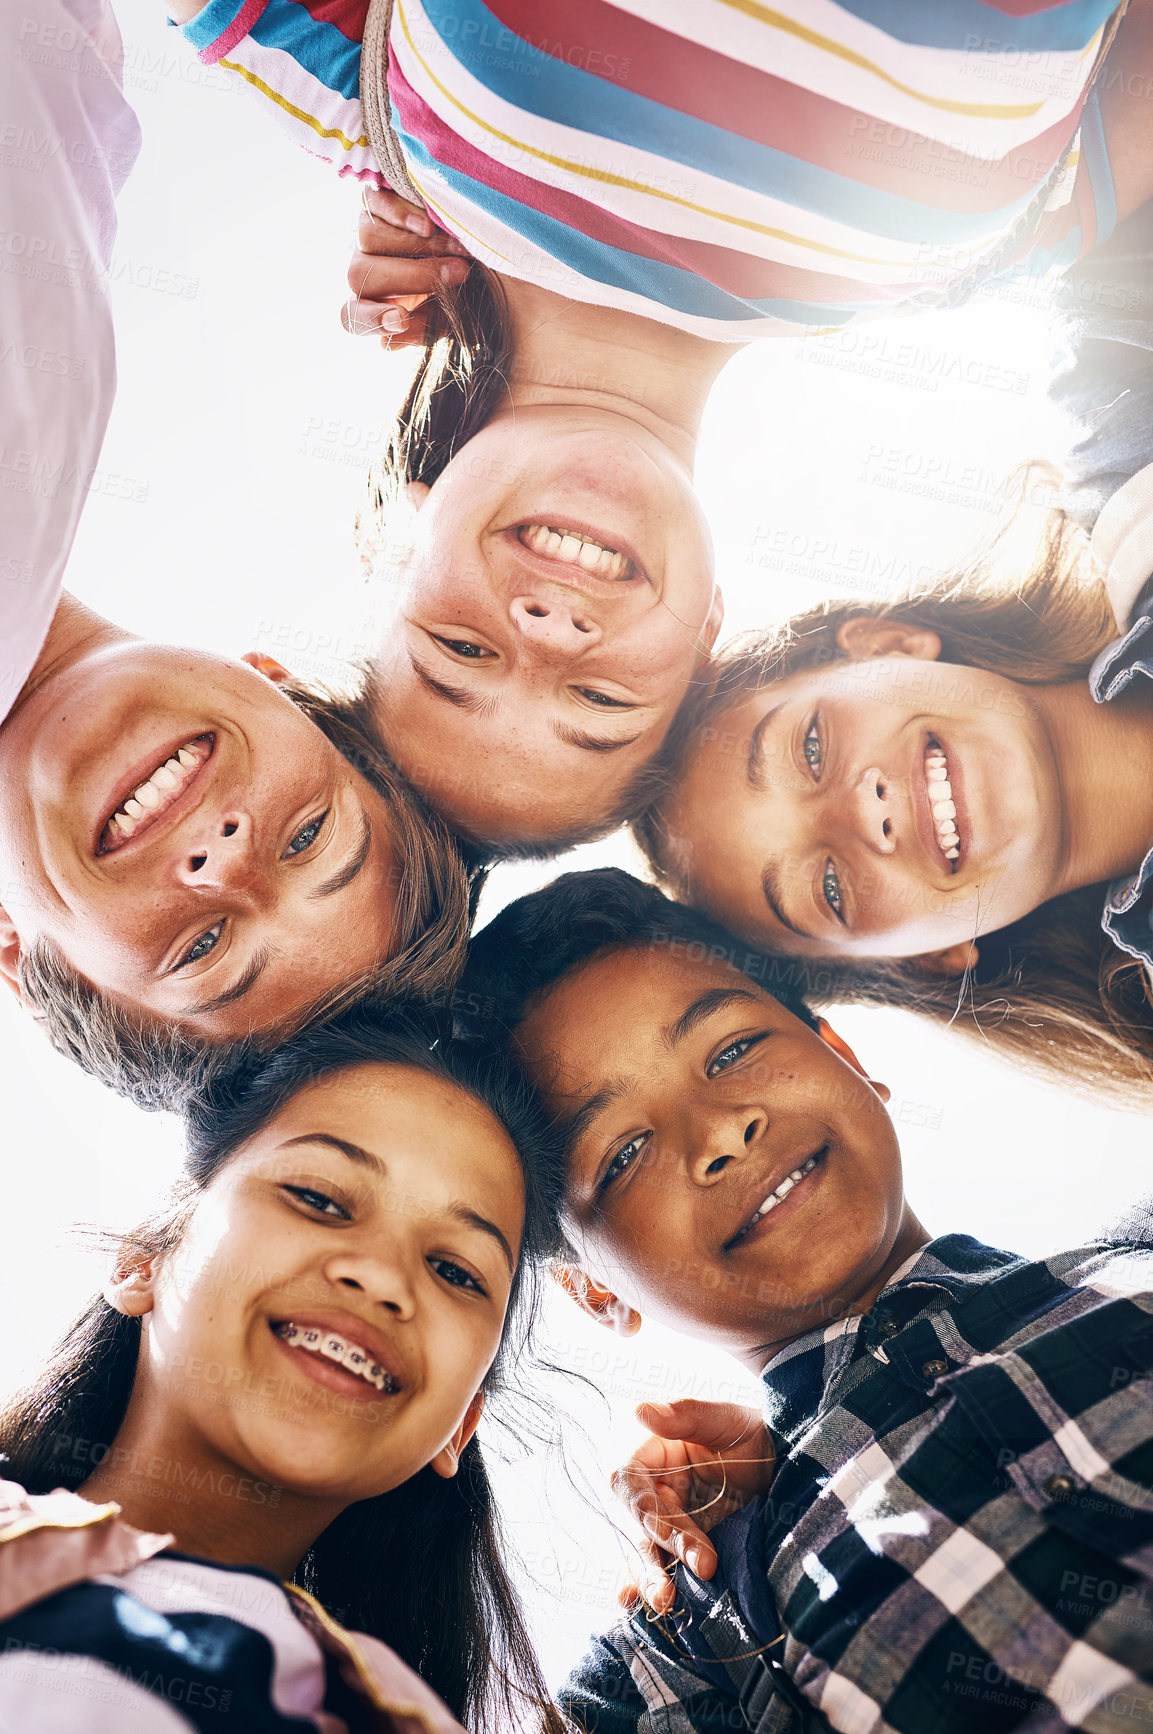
{"x": 315, "y": 1467}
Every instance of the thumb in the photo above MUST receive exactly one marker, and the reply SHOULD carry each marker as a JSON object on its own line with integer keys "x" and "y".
{"x": 717, "y": 1425}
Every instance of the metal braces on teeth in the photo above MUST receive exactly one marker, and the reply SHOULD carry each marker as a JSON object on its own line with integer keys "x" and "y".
{"x": 334, "y": 1348}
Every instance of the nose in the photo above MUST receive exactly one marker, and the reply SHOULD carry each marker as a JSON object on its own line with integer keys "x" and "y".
{"x": 380, "y": 1274}
{"x": 722, "y": 1136}
{"x": 871, "y": 807}
{"x": 558, "y": 629}
{"x": 219, "y": 855}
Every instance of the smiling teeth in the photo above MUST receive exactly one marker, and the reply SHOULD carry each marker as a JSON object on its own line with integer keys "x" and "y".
{"x": 574, "y": 550}
{"x": 335, "y": 1348}
{"x": 156, "y": 792}
{"x": 941, "y": 803}
{"x": 779, "y": 1195}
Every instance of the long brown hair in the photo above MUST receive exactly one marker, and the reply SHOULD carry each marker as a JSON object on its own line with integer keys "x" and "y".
{"x": 1051, "y": 990}
{"x": 459, "y": 383}
{"x": 423, "y": 1567}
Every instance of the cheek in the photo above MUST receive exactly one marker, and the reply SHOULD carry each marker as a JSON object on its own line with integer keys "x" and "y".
{"x": 659, "y": 645}
{"x": 445, "y": 576}
{"x": 459, "y": 1354}
{"x": 655, "y": 1256}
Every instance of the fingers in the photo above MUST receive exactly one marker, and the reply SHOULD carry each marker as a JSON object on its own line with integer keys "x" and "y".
{"x": 401, "y": 260}
{"x": 721, "y": 1426}
{"x": 379, "y": 279}
{"x": 674, "y": 1532}
{"x": 387, "y": 293}
{"x": 652, "y": 1579}
{"x": 658, "y": 1500}
{"x": 390, "y": 225}
{"x": 659, "y": 1593}
{"x": 399, "y": 324}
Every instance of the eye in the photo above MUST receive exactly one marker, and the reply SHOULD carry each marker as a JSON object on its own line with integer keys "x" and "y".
{"x": 464, "y": 647}
{"x": 734, "y": 1051}
{"x": 811, "y": 747}
{"x": 456, "y": 1275}
{"x": 832, "y": 893}
{"x": 319, "y": 1201}
{"x": 603, "y": 699}
{"x": 306, "y": 836}
{"x": 623, "y": 1160}
{"x": 201, "y": 947}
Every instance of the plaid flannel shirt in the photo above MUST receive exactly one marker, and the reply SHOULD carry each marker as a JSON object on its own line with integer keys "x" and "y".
{"x": 959, "y": 1533}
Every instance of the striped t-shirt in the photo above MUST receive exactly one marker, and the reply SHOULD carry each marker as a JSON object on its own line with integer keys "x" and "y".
{"x": 734, "y": 168}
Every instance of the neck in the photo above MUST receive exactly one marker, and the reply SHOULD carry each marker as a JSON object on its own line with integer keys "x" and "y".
{"x": 1103, "y": 754}
{"x": 231, "y": 1518}
{"x": 567, "y": 352}
{"x": 75, "y": 632}
{"x": 858, "y": 1297}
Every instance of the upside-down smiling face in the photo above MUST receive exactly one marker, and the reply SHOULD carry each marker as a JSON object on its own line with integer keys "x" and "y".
{"x": 189, "y": 840}
{"x": 558, "y": 599}
{"x": 877, "y": 807}
{"x": 333, "y": 1308}
{"x": 730, "y": 1172}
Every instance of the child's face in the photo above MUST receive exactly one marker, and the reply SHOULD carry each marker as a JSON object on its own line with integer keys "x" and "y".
{"x": 525, "y": 683}
{"x": 262, "y": 875}
{"x": 382, "y": 1207}
{"x": 691, "y": 1096}
{"x": 805, "y": 820}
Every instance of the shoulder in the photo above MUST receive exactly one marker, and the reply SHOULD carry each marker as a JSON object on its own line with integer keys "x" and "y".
{"x": 375, "y": 1672}
{"x": 166, "y": 1642}
{"x": 49, "y": 1541}
{"x": 639, "y": 1675}
{"x": 58, "y": 214}
{"x": 1032, "y": 1298}
{"x": 1121, "y": 542}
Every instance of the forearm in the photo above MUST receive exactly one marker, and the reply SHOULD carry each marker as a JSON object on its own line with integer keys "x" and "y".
{"x": 1126, "y": 98}
{"x": 300, "y": 61}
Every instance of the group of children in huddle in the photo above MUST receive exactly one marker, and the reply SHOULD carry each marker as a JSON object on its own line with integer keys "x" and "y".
{"x": 230, "y": 891}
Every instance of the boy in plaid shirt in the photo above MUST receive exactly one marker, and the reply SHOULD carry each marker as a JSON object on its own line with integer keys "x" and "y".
{"x": 958, "y": 1534}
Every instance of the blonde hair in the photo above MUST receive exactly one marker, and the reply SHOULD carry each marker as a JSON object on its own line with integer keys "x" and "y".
{"x": 159, "y": 1065}
{"x": 1051, "y": 990}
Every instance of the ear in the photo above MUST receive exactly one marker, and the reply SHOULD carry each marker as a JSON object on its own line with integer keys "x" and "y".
{"x": 267, "y": 665}
{"x": 11, "y": 952}
{"x": 953, "y": 960}
{"x": 599, "y": 1303}
{"x": 130, "y": 1287}
{"x": 864, "y": 636}
{"x": 713, "y": 623}
{"x": 840, "y": 1046}
{"x": 447, "y": 1459}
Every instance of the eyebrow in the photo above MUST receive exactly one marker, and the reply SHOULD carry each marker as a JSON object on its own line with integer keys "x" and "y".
{"x": 457, "y": 695}
{"x": 753, "y": 764}
{"x": 771, "y": 886}
{"x": 365, "y": 1159}
{"x": 574, "y": 1129}
{"x": 471, "y": 701}
{"x": 243, "y": 984}
{"x": 346, "y": 874}
{"x": 474, "y": 1219}
{"x": 714, "y": 1000}
{"x": 591, "y": 743}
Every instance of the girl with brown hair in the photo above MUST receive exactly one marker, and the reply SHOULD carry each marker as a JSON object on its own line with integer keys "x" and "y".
{"x": 643, "y": 190}
{"x": 941, "y": 801}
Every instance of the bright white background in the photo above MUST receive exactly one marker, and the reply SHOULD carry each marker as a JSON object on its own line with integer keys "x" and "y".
{"x": 222, "y": 515}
